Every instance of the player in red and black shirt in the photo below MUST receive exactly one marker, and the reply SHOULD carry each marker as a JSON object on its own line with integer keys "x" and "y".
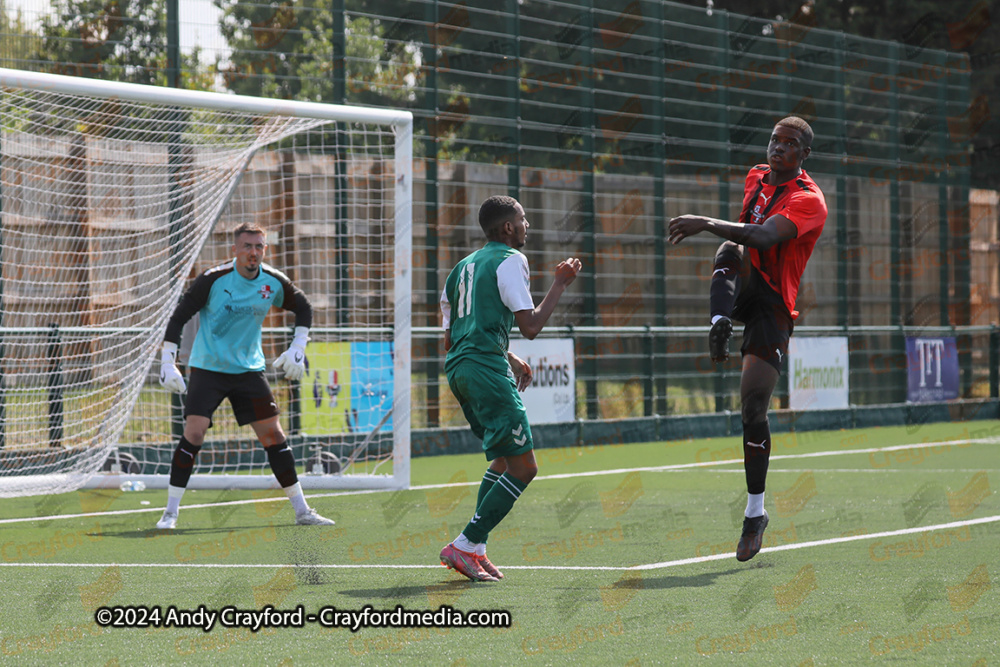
{"x": 755, "y": 280}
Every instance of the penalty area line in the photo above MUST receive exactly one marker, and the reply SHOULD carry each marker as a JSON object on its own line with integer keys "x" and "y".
{"x": 592, "y": 568}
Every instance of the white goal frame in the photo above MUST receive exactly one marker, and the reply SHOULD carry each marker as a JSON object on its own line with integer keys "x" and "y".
{"x": 401, "y": 124}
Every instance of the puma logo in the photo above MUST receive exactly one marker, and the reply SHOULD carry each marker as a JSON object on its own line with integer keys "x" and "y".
{"x": 722, "y": 271}
{"x": 765, "y": 198}
{"x": 760, "y": 445}
{"x": 780, "y": 355}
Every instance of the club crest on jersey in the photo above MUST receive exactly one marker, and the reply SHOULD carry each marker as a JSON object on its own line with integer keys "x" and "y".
{"x": 265, "y": 292}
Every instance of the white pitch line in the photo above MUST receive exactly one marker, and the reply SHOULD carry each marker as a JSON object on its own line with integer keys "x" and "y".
{"x": 820, "y": 543}
{"x": 572, "y": 475}
{"x": 819, "y": 471}
{"x": 631, "y": 568}
{"x": 265, "y": 566}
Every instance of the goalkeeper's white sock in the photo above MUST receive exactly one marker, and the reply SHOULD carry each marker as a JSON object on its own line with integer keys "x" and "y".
{"x": 174, "y": 495}
{"x": 294, "y": 493}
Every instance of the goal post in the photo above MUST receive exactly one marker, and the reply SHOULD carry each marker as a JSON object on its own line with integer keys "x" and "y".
{"x": 113, "y": 196}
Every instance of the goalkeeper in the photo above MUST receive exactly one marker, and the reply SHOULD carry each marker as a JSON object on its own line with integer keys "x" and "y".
{"x": 227, "y": 362}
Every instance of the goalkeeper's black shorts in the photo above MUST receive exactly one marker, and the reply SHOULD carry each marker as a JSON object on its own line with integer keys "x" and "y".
{"x": 248, "y": 393}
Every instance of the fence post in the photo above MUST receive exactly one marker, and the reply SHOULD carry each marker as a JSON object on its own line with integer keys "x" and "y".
{"x": 513, "y": 78}
{"x": 944, "y": 231}
{"x": 173, "y": 44}
{"x": 659, "y": 208}
{"x": 898, "y": 340}
{"x": 725, "y": 160}
{"x": 840, "y": 108}
{"x": 589, "y": 250}
{"x": 994, "y": 361}
{"x": 431, "y": 195}
{"x": 3, "y": 380}
{"x": 55, "y": 385}
{"x": 647, "y": 407}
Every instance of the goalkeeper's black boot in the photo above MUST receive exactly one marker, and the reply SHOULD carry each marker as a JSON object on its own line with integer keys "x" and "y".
{"x": 718, "y": 339}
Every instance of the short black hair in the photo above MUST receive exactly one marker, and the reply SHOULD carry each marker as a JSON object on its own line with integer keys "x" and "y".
{"x": 803, "y": 127}
{"x": 494, "y": 212}
{"x": 248, "y": 228}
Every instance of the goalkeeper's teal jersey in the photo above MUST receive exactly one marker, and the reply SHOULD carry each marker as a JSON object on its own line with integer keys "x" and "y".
{"x": 480, "y": 297}
{"x": 231, "y": 311}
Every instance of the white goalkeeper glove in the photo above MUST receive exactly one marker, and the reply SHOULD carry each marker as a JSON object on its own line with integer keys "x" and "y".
{"x": 293, "y": 361}
{"x": 170, "y": 376}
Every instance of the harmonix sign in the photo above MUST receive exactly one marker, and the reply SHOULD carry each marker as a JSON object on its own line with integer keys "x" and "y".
{"x": 931, "y": 369}
{"x": 551, "y": 398}
{"x": 818, "y": 372}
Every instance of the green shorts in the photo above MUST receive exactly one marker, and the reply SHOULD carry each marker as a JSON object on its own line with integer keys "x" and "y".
{"x": 493, "y": 407}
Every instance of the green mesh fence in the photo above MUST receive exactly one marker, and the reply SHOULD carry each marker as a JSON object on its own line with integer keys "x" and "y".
{"x": 606, "y": 119}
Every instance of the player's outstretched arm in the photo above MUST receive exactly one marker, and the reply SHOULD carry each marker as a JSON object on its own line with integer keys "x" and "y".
{"x": 774, "y": 230}
{"x": 531, "y": 322}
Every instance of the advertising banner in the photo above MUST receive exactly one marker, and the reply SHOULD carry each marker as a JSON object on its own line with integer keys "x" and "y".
{"x": 347, "y": 388}
{"x": 818, "y": 373}
{"x": 931, "y": 369}
{"x": 551, "y": 398}
{"x": 326, "y": 389}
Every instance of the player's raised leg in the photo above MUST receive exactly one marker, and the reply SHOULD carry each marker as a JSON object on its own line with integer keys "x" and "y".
{"x": 727, "y": 278}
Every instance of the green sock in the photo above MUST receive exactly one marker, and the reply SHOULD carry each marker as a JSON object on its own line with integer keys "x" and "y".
{"x": 494, "y": 507}
{"x": 489, "y": 479}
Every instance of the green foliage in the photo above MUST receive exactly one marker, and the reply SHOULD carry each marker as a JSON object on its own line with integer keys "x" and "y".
{"x": 106, "y": 39}
{"x": 968, "y": 26}
{"x": 287, "y": 51}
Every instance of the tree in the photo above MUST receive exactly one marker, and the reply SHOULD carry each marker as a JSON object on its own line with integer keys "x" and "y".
{"x": 106, "y": 39}
{"x": 18, "y": 40}
{"x": 961, "y": 27}
{"x": 286, "y": 51}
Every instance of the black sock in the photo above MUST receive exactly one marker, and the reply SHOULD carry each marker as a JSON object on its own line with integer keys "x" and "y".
{"x": 756, "y": 454}
{"x": 725, "y": 281}
{"x": 182, "y": 464}
{"x": 282, "y": 464}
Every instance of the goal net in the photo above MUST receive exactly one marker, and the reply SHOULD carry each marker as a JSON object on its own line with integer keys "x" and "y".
{"x": 113, "y": 197}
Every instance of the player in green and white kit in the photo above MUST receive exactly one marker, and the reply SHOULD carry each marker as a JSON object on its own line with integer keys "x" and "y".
{"x": 484, "y": 296}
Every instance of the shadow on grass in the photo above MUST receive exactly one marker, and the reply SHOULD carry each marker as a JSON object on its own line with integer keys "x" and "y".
{"x": 396, "y": 592}
{"x": 149, "y": 533}
{"x": 671, "y": 581}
